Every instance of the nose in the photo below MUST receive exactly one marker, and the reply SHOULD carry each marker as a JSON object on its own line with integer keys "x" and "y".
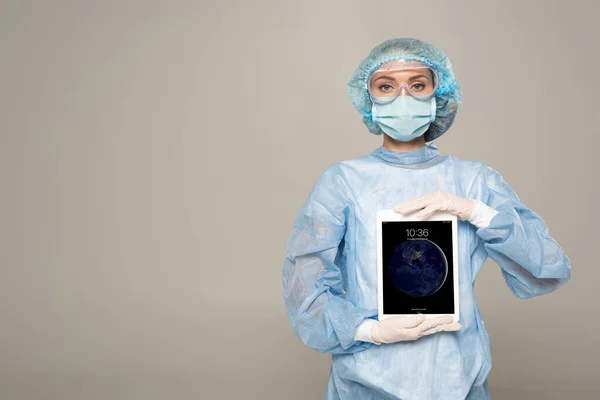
{"x": 403, "y": 91}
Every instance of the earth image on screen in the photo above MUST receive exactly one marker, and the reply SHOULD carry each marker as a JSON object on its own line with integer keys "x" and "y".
{"x": 418, "y": 267}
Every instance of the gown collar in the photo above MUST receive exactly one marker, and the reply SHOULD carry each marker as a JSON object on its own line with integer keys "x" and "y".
{"x": 415, "y": 156}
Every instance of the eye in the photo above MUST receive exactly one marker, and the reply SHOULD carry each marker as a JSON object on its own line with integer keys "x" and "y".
{"x": 418, "y": 86}
{"x": 386, "y": 87}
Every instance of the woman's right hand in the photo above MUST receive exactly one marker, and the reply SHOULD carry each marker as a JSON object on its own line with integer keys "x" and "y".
{"x": 397, "y": 329}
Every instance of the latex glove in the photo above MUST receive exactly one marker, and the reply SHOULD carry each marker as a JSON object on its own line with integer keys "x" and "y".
{"x": 396, "y": 329}
{"x": 438, "y": 200}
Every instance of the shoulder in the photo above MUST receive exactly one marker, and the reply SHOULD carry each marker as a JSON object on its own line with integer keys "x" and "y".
{"x": 474, "y": 166}
{"x": 466, "y": 163}
{"x": 347, "y": 169}
{"x": 468, "y": 167}
{"x": 345, "y": 177}
{"x": 477, "y": 176}
{"x": 333, "y": 179}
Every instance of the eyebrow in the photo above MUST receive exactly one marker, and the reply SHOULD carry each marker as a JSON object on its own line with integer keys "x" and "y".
{"x": 412, "y": 78}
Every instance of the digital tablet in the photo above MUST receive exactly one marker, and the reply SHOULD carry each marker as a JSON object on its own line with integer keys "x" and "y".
{"x": 417, "y": 265}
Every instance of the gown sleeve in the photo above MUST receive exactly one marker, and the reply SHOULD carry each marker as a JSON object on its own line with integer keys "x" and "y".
{"x": 518, "y": 240}
{"x": 321, "y": 314}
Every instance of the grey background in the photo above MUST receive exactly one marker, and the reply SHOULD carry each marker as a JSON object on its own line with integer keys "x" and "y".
{"x": 154, "y": 154}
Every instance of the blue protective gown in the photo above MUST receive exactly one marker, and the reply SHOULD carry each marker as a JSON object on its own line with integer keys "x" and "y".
{"x": 330, "y": 273}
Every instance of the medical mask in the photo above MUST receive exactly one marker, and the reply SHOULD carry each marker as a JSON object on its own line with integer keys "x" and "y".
{"x": 405, "y": 118}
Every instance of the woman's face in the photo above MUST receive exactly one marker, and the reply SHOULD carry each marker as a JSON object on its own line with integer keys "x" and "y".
{"x": 387, "y": 83}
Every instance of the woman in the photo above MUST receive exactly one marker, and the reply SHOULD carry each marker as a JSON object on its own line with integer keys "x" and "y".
{"x": 406, "y": 90}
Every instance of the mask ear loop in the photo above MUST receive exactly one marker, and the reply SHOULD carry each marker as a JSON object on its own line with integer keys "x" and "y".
{"x": 433, "y": 109}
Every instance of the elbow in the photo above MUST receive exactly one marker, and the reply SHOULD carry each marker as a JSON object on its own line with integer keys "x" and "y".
{"x": 548, "y": 286}
{"x": 525, "y": 285}
{"x": 564, "y": 277}
{"x": 309, "y": 327}
{"x": 313, "y": 337}
{"x": 537, "y": 287}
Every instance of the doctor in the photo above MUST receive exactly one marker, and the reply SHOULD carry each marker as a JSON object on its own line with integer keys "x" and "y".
{"x": 406, "y": 91}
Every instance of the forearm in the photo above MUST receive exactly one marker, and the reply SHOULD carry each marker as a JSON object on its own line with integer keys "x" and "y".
{"x": 532, "y": 262}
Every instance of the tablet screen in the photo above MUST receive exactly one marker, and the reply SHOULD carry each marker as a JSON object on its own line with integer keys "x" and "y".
{"x": 417, "y": 267}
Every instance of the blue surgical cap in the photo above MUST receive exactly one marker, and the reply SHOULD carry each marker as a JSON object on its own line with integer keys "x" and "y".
{"x": 448, "y": 95}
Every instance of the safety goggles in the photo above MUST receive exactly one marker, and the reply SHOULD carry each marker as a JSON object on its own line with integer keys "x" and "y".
{"x": 394, "y": 78}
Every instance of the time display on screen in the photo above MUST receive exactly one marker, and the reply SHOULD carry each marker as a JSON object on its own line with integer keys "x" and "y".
{"x": 417, "y": 233}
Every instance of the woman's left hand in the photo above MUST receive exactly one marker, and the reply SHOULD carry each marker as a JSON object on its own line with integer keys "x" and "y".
{"x": 438, "y": 200}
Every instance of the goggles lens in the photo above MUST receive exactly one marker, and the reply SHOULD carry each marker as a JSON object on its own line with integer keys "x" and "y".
{"x": 405, "y": 78}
